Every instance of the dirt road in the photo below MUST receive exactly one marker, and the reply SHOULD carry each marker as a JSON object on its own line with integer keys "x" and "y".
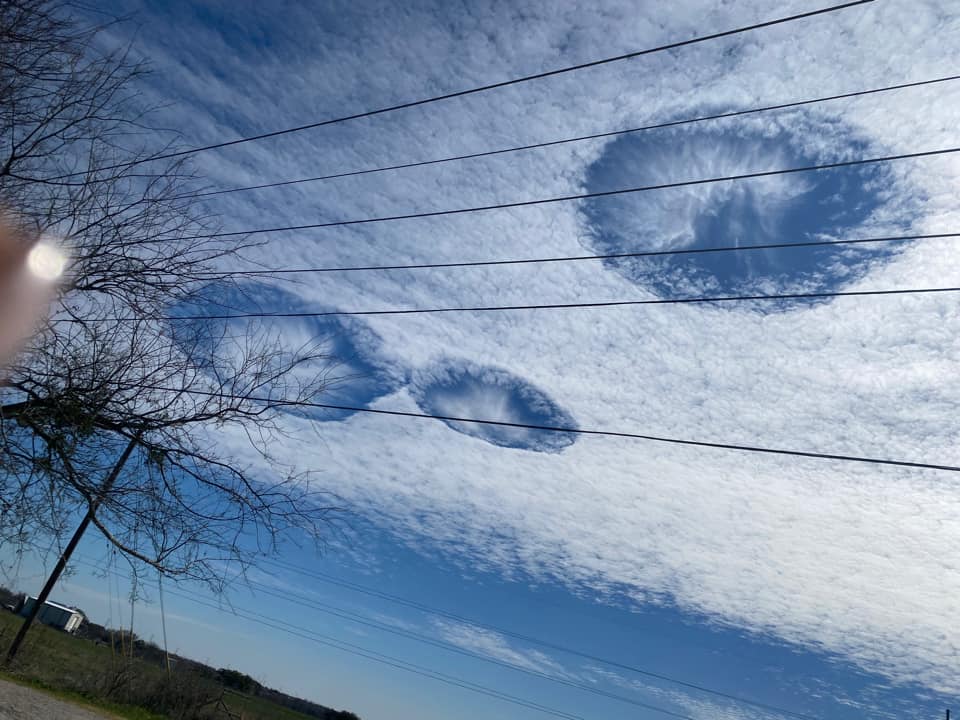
{"x": 22, "y": 703}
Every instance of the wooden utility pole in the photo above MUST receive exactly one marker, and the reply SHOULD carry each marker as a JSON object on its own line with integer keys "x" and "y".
{"x": 163, "y": 624}
{"x": 133, "y": 604}
{"x": 68, "y": 551}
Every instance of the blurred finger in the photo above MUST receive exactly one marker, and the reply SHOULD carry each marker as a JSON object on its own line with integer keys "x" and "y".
{"x": 28, "y": 273}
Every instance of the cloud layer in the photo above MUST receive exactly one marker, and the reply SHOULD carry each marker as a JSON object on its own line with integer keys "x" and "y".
{"x": 849, "y": 559}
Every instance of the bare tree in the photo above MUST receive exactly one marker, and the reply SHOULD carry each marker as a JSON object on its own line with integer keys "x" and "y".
{"x": 113, "y": 413}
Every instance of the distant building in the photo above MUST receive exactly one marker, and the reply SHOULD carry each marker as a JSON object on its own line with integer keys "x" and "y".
{"x": 54, "y": 614}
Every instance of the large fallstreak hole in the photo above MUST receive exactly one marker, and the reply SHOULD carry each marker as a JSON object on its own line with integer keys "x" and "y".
{"x": 464, "y": 390}
{"x": 344, "y": 352}
{"x": 820, "y": 205}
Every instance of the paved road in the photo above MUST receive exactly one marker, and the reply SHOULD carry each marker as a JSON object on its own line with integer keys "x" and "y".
{"x": 22, "y": 703}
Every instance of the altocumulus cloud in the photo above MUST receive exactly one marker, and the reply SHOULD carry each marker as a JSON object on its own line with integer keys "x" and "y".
{"x": 760, "y": 543}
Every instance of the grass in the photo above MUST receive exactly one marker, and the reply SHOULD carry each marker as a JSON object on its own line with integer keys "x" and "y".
{"x": 248, "y": 706}
{"x": 82, "y": 672}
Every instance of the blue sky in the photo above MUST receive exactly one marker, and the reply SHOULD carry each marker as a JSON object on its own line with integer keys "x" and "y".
{"x": 825, "y": 588}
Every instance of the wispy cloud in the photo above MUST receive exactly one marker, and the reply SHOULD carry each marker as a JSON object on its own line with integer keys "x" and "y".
{"x": 495, "y": 645}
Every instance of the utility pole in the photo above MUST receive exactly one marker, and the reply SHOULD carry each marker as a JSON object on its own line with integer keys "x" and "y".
{"x": 163, "y": 623}
{"x": 133, "y": 603}
{"x": 68, "y": 551}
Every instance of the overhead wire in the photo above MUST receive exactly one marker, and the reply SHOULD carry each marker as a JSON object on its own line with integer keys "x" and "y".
{"x": 576, "y": 139}
{"x": 354, "y": 649}
{"x": 480, "y": 89}
{"x": 545, "y": 306}
{"x": 449, "y": 647}
{"x": 569, "y": 430}
{"x": 578, "y": 196}
{"x": 582, "y": 258}
{"x": 351, "y": 648}
{"x": 420, "y": 637}
{"x": 550, "y": 645}
{"x": 367, "y": 621}
{"x": 359, "y": 650}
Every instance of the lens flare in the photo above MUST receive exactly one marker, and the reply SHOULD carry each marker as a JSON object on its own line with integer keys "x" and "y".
{"x": 46, "y": 261}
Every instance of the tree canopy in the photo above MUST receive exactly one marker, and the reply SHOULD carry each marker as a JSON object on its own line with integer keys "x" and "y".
{"x": 107, "y": 369}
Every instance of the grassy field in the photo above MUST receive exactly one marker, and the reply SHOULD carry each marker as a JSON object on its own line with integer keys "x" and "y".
{"x": 82, "y": 671}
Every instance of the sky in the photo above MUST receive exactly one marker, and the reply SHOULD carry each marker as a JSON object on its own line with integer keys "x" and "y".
{"x": 828, "y": 588}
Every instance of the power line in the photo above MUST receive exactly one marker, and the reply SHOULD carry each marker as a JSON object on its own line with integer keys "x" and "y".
{"x": 567, "y": 430}
{"x": 579, "y": 138}
{"x": 420, "y": 637}
{"x": 354, "y": 649}
{"x": 579, "y": 196}
{"x": 432, "y": 610}
{"x": 580, "y": 258}
{"x": 450, "y": 647}
{"x": 367, "y": 621}
{"x": 361, "y": 651}
{"x": 370, "y": 622}
{"x": 552, "y": 306}
{"x": 483, "y": 88}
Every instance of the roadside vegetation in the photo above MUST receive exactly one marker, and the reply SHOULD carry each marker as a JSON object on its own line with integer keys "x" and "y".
{"x": 99, "y": 672}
